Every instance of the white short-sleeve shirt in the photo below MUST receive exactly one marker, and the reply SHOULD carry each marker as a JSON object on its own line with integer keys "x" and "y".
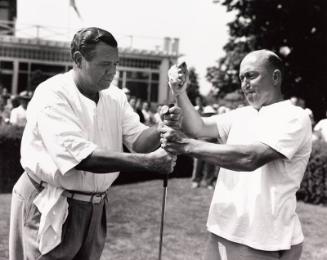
{"x": 64, "y": 127}
{"x": 258, "y": 208}
{"x": 321, "y": 127}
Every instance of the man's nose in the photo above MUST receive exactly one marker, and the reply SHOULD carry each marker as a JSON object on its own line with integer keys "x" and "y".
{"x": 245, "y": 83}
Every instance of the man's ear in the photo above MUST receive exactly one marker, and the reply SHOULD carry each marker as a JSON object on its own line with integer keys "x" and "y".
{"x": 277, "y": 76}
{"x": 77, "y": 58}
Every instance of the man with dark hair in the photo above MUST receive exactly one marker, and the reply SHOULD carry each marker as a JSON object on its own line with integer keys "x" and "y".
{"x": 72, "y": 151}
{"x": 263, "y": 151}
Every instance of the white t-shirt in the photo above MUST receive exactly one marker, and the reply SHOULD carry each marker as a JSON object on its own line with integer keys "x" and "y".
{"x": 321, "y": 127}
{"x": 64, "y": 127}
{"x": 258, "y": 208}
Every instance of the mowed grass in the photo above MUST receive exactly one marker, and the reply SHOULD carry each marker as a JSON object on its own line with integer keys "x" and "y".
{"x": 134, "y": 223}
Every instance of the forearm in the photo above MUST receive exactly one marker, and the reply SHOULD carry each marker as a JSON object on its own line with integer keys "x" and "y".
{"x": 103, "y": 161}
{"x": 148, "y": 141}
{"x": 192, "y": 122}
{"x": 232, "y": 157}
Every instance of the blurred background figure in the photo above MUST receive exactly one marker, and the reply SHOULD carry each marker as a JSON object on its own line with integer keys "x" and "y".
{"x": 320, "y": 129}
{"x": 199, "y": 104}
{"x": 296, "y": 101}
{"x": 18, "y": 114}
{"x": 136, "y": 104}
{"x": 222, "y": 110}
{"x": 204, "y": 173}
{"x": 127, "y": 93}
{"x": 9, "y": 102}
{"x": 138, "y": 109}
{"x": 156, "y": 116}
{"x": 2, "y": 108}
{"x": 147, "y": 113}
{"x": 132, "y": 102}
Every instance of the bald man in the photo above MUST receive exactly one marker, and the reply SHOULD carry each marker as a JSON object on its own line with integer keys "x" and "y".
{"x": 263, "y": 151}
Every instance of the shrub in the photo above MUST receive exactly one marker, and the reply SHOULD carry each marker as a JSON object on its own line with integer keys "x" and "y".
{"x": 10, "y": 168}
{"x": 314, "y": 184}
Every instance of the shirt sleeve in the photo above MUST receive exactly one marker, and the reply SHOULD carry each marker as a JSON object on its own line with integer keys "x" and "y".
{"x": 223, "y": 123}
{"x": 286, "y": 134}
{"x": 63, "y": 136}
{"x": 131, "y": 125}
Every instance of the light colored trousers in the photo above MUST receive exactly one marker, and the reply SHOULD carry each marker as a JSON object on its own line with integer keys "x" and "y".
{"x": 83, "y": 233}
{"x": 219, "y": 248}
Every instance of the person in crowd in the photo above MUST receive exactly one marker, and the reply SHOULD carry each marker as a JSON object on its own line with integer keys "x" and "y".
{"x": 127, "y": 93}
{"x": 204, "y": 173}
{"x": 156, "y": 116}
{"x": 138, "y": 109}
{"x": 132, "y": 102}
{"x": 320, "y": 129}
{"x": 71, "y": 152}
{"x": 263, "y": 151}
{"x": 199, "y": 104}
{"x": 223, "y": 110}
{"x": 2, "y": 109}
{"x": 10, "y": 103}
{"x": 296, "y": 101}
{"x": 147, "y": 113}
{"x": 18, "y": 114}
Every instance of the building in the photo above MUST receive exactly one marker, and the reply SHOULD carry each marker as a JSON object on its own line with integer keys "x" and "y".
{"x": 25, "y": 62}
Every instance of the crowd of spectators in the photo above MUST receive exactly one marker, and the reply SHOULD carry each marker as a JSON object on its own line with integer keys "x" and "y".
{"x": 205, "y": 174}
{"x": 13, "y": 107}
{"x": 13, "y": 112}
{"x": 147, "y": 111}
{"x": 319, "y": 128}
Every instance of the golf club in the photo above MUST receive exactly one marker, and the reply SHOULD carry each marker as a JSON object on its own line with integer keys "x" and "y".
{"x": 165, "y": 180}
{"x": 164, "y": 198}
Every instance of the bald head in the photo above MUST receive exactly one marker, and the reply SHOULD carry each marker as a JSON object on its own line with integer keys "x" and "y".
{"x": 266, "y": 58}
{"x": 261, "y": 78}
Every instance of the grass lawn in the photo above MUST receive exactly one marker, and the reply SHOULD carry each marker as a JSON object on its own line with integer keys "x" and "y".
{"x": 134, "y": 222}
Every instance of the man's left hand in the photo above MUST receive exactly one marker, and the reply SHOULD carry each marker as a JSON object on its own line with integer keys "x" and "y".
{"x": 171, "y": 116}
{"x": 172, "y": 140}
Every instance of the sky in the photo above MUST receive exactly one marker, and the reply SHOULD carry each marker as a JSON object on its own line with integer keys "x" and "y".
{"x": 200, "y": 25}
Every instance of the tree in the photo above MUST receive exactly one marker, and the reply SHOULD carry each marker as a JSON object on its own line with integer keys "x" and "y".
{"x": 193, "y": 85}
{"x": 295, "y": 30}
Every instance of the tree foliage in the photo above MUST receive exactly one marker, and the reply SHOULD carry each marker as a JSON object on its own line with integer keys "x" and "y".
{"x": 295, "y": 30}
{"x": 193, "y": 85}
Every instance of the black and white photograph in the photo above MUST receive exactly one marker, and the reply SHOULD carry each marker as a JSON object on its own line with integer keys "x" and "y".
{"x": 163, "y": 130}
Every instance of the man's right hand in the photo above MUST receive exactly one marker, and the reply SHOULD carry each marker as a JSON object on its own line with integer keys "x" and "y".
{"x": 162, "y": 161}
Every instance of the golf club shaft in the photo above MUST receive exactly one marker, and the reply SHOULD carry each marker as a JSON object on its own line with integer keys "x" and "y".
{"x": 164, "y": 198}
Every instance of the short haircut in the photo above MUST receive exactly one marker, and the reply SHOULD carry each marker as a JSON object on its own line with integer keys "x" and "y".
{"x": 85, "y": 41}
{"x": 275, "y": 62}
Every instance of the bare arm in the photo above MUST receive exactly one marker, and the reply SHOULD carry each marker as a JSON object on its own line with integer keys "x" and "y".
{"x": 192, "y": 122}
{"x": 234, "y": 157}
{"x": 148, "y": 141}
{"x": 103, "y": 161}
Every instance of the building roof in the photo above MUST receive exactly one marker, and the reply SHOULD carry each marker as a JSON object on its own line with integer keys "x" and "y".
{"x": 37, "y": 43}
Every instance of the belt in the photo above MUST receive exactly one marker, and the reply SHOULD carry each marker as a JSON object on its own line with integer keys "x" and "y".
{"x": 94, "y": 198}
